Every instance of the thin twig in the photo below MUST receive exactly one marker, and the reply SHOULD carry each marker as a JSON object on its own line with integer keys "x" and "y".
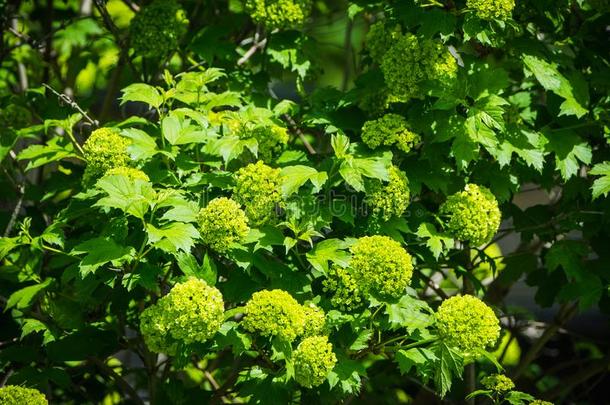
{"x": 13, "y": 220}
{"x": 120, "y": 381}
{"x": 250, "y": 52}
{"x": 299, "y": 133}
{"x": 73, "y": 105}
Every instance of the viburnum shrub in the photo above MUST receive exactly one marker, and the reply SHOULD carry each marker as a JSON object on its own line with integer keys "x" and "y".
{"x": 197, "y": 208}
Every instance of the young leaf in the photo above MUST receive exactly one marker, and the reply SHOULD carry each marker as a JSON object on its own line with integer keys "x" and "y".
{"x": 25, "y": 297}
{"x": 144, "y": 93}
{"x": 330, "y": 250}
{"x": 99, "y": 251}
{"x": 293, "y": 177}
{"x": 436, "y": 241}
{"x": 549, "y": 77}
{"x": 601, "y": 186}
{"x": 172, "y": 237}
{"x": 449, "y": 366}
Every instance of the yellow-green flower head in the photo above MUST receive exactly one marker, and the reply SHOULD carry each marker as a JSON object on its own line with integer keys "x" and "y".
{"x": 129, "y": 172}
{"x": 271, "y": 140}
{"x": 274, "y": 313}
{"x": 498, "y": 383}
{"x": 279, "y": 13}
{"x": 391, "y": 199}
{"x": 222, "y": 223}
{"x": 313, "y": 361}
{"x": 346, "y": 294}
{"x": 156, "y": 30}
{"x": 16, "y": 395}
{"x": 196, "y": 310}
{"x": 467, "y": 323}
{"x": 472, "y": 215}
{"x": 258, "y": 189}
{"x": 105, "y": 149}
{"x": 155, "y": 322}
{"x": 375, "y": 102}
{"x": 192, "y": 312}
{"x": 391, "y": 129}
{"x": 492, "y": 9}
{"x": 540, "y": 402}
{"x": 379, "y": 39}
{"x": 409, "y": 61}
{"x": 315, "y": 320}
{"x": 381, "y": 266}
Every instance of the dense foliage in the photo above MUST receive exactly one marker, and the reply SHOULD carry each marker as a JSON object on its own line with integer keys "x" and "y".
{"x": 296, "y": 201}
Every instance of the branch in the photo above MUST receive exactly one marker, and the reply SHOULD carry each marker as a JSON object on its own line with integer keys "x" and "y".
{"x": 72, "y": 104}
{"x": 123, "y": 44}
{"x": 565, "y": 314}
{"x": 120, "y": 381}
{"x": 300, "y": 134}
{"x": 255, "y": 47}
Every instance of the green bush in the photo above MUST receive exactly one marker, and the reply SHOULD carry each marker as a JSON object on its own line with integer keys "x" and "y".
{"x": 291, "y": 201}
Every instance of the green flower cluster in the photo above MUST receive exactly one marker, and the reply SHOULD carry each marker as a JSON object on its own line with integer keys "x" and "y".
{"x": 346, "y": 294}
{"x": 380, "y": 266}
{"x": 392, "y": 199}
{"x": 315, "y": 320}
{"x": 279, "y": 13}
{"x": 274, "y": 313}
{"x": 16, "y": 395}
{"x": 129, "y": 172}
{"x": 379, "y": 40}
{"x": 498, "y": 383}
{"x": 410, "y": 61}
{"x": 467, "y": 323}
{"x": 105, "y": 149}
{"x": 492, "y": 9}
{"x": 192, "y": 312}
{"x": 472, "y": 215}
{"x": 540, "y": 402}
{"x": 313, "y": 361}
{"x": 258, "y": 189}
{"x": 271, "y": 140}
{"x": 156, "y": 30}
{"x": 222, "y": 223}
{"x": 391, "y": 129}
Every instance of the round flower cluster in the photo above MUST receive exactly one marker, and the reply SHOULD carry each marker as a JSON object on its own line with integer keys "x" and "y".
{"x": 271, "y": 140}
{"x": 258, "y": 189}
{"x": 222, "y": 223}
{"x": 389, "y": 130}
{"x": 380, "y": 266}
{"x": 313, "y": 361}
{"x": 492, "y": 9}
{"x": 105, "y": 149}
{"x": 154, "y": 325}
{"x": 540, "y": 402}
{"x": 16, "y": 395}
{"x": 129, "y": 172}
{"x": 409, "y": 61}
{"x": 274, "y": 313}
{"x": 498, "y": 383}
{"x": 472, "y": 215}
{"x": 379, "y": 39}
{"x": 192, "y": 312}
{"x": 157, "y": 28}
{"x": 467, "y": 323}
{"x": 279, "y": 13}
{"x": 315, "y": 320}
{"x": 346, "y": 294}
{"x": 392, "y": 199}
